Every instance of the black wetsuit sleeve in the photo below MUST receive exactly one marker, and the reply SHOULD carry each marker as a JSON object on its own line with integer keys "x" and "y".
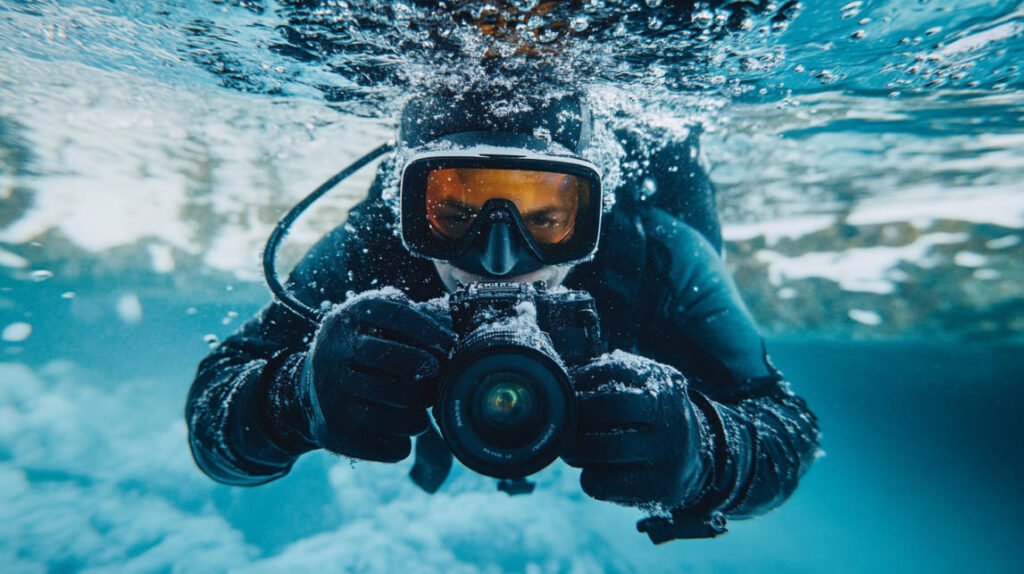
{"x": 245, "y": 424}
{"x": 765, "y": 436}
{"x": 231, "y": 427}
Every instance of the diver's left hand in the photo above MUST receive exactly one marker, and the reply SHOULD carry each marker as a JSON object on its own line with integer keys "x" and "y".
{"x": 639, "y": 440}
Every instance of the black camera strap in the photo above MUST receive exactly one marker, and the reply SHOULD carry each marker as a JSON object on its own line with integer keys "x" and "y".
{"x": 433, "y": 461}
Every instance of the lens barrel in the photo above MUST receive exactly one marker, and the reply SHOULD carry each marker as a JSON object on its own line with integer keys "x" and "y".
{"x": 506, "y": 407}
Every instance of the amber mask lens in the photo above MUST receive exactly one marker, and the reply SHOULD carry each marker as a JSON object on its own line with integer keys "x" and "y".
{"x": 548, "y": 202}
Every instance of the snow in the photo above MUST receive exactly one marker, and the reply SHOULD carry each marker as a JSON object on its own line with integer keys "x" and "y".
{"x": 657, "y": 378}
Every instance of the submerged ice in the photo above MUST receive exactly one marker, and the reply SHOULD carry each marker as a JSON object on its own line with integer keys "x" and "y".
{"x": 96, "y": 476}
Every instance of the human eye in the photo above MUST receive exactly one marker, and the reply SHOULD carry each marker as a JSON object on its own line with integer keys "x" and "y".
{"x": 544, "y": 220}
{"x": 459, "y": 216}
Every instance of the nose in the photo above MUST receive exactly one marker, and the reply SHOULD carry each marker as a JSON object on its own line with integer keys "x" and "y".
{"x": 499, "y": 257}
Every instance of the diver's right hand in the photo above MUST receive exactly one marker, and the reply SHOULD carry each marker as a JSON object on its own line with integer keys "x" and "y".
{"x": 370, "y": 376}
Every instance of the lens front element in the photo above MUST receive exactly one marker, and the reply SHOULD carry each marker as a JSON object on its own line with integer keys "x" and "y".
{"x": 506, "y": 411}
{"x": 506, "y": 405}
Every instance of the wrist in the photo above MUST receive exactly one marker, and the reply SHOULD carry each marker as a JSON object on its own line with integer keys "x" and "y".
{"x": 731, "y": 444}
{"x": 287, "y": 406}
{"x": 709, "y": 436}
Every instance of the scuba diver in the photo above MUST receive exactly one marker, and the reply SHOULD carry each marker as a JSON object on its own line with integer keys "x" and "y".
{"x": 686, "y": 418}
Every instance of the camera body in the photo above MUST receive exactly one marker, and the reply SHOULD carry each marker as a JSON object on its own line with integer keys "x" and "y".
{"x": 506, "y": 405}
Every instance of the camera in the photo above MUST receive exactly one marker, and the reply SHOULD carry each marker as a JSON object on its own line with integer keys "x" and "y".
{"x": 506, "y": 405}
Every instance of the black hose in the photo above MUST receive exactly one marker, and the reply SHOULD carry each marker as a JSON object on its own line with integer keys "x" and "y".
{"x": 281, "y": 293}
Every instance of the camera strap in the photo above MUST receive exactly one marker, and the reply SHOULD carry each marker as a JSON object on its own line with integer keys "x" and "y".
{"x": 433, "y": 461}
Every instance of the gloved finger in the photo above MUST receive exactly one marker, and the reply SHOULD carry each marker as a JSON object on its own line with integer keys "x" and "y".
{"x": 367, "y": 445}
{"x": 388, "y": 390}
{"x": 631, "y": 447}
{"x": 386, "y": 420}
{"x": 402, "y": 321}
{"x": 392, "y": 358}
{"x": 621, "y": 484}
{"x": 601, "y": 374}
{"x": 607, "y": 411}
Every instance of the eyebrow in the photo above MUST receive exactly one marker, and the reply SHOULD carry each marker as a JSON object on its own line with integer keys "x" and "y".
{"x": 456, "y": 204}
{"x": 546, "y": 211}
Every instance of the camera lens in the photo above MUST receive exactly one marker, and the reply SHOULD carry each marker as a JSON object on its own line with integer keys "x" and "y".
{"x": 506, "y": 405}
{"x": 505, "y": 409}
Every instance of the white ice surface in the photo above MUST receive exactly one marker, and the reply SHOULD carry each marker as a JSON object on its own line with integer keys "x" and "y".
{"x": 123, "y": 165}
{"x": 865, "y": 269}
{"x": 1000, "y": 205}
{"x": 865, "y": 317}
{"x": 772, "y": 231}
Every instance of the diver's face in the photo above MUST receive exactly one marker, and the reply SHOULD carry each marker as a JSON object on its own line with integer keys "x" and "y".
{"x": 547, "y": 202}
{"x": 452, "y": 276}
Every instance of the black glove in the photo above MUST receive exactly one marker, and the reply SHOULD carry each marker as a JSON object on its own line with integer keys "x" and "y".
{"x": 370, "y": 376}
{"x": 640, "y": 440}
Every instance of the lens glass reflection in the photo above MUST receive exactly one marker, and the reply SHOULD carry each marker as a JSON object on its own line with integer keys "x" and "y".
{"x": 507, "y": 410}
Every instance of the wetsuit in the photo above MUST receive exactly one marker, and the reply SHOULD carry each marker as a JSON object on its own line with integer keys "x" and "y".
{"x": 662, "y": 291}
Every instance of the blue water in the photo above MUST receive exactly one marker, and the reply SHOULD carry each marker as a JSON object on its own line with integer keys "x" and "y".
{"x": 868, "y": 157}
{"x": 922, "y": 474}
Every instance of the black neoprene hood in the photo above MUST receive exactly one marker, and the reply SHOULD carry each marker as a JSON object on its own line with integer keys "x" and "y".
{"x": 490, "y": 118}
{"x": 496, "y": 127}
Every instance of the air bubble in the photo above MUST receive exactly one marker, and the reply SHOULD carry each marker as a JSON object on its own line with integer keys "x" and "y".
{"x": 703, "y": 18}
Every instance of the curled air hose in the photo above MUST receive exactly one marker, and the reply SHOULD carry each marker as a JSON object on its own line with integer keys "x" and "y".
{"x": 281, "y": 293}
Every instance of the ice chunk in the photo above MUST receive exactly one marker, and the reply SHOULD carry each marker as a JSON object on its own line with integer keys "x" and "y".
{"x": 864, "y": 269}
{"x": 17, "y": 332}
{"x": 161, "y": 258}
{"x": 865, "y": 317}
{"x": 8, "y": 259}
{"x": 970, "y": 259}
{"x": 1003, "y": 242}
{"x": 129, "y": 308}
